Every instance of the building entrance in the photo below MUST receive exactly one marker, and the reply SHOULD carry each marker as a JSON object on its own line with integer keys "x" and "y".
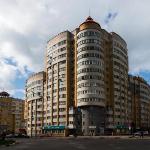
{"x": 92, "y": 132}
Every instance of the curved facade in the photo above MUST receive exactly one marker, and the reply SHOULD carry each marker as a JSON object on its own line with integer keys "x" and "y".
{"x": 90, "y": 68}
{"x": 90, "y": 76}
{"x": 119, "y": 80}
{"x": 86, "y": 72}
{"x": 35, "y": 103}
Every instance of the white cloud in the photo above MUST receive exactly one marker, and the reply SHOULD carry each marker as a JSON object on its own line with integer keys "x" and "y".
{"x": 26, "y": 25}
{"x": 7, "y": 75}
{"x": 14, "y": 92}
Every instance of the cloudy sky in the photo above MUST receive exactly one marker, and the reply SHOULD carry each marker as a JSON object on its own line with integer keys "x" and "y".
{"x": 26, "y": 26}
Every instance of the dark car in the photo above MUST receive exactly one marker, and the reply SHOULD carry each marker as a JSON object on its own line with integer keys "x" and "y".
{"x": 21, "y": 136}
{"x": 17, "y": 136}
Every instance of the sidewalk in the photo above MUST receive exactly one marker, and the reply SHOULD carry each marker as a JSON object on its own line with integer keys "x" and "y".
{"x": 96, "y": 137}
{"x": 115, "y": 137}
{"x": 105, "y": 137}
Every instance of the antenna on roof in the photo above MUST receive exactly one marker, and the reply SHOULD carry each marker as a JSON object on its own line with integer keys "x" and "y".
{"x": 89, "y": 12}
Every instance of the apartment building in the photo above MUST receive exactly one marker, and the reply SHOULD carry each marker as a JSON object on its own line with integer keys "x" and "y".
{"x": 86, "y": 86}
{"x": 138, "y": 103}
{"x": 60, "y": 80}
{"x": 11, "y": 113}
{"x": 116, "y": 73}
{"x": 34, "y": 105}
{"x": 99, "y": 72}
{"x": 102, "y": 78}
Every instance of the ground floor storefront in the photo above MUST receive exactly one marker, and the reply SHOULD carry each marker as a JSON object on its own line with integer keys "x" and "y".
{"x": 55, "y": 130}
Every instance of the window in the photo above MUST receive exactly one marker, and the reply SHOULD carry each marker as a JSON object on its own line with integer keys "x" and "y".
{"x": 88, "y": 33}
{"x": 86, "y": 55}
{"x": 96, "y": 41}
{"x": 61, "y": 49}
{"x": 86, "y": 77}
{"x": 86, "y": 48}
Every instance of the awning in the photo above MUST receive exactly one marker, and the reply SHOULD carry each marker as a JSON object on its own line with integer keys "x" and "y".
{"x": 54, "y": 127}
{"x": 121, "y": 127}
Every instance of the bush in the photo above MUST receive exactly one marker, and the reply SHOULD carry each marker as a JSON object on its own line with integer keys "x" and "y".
{"x": 6, "y": 142}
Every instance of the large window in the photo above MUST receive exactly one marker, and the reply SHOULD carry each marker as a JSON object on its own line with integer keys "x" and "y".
{"x": 87, "y": 77}
{"x": 90, "y": 70}
{"x": 90, "y": 99}
{"x": 88, "y": 33}
{"x": 96, "y": 41}
{"x": 90, "y": 84}
{"x": 86, "y": 55}
{"x": 90, "y": 62}
{"x": 86, "y": 48}
{"x": 92, "y": 91}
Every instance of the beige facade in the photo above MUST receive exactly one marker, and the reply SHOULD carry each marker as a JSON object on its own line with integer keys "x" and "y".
{"x": 86, "y": 71}
{"x": 116, "y": 73}
{"x": 99, "y": 75}
{"x": 34, "y": 104}
{"x": 139, "y": 103}
{"x": 11, "y": 113}
{"x": 59, "y": 81}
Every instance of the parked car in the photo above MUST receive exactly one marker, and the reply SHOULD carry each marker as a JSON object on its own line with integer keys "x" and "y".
{"x": 145, "y": 132}
{"x": 45, "y": 135}
{"x": 21, "y": 136}
{"x": 138, "y": 133}
{"x": 17, "y": 136}
{"x": 10, "y": 136}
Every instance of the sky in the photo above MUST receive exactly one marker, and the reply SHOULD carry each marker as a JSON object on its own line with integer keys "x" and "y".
{"x": 27, "y": 25}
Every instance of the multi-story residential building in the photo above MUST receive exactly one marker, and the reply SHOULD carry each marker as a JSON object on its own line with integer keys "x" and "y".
{"x": 59, "y": 81}
{"x": 139, "y": 103}
{"x": 34, "y": 105}
{"x": 18, "y": 115}
{"x": 90, "y": 83}
{"x": 25, "y": 113}
{"x": 11, "y": 113}
{"x": 102, "y": 77}
{"x": 116, "y": 73}
{"x": 99, "y": 62}
{"x": 87, "y": 75}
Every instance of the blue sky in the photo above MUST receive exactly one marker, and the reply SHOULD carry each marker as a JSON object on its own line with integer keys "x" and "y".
{"x": 26, "y": 26}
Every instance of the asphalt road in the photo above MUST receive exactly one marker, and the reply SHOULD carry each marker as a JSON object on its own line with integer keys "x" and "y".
{"x": 80, "y": 144}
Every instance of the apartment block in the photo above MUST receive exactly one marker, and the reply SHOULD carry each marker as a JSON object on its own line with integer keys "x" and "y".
{"x": 34, "y": 105}
{"x": 11, "y": 113}
{"x": 138, "y": 103}
{"x": 86, "y": 86}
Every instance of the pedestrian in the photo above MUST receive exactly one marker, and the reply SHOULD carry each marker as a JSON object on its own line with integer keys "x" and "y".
{"x": 142, "y": 134}
{"x": 3, "y": 136}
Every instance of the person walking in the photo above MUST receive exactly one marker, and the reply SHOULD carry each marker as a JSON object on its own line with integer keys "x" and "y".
{"x": 3, "y": 136}
{"x": 142, "y": 134}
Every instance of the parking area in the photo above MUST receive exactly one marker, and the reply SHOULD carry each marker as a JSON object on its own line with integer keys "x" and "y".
{"x": 79, "y": 143}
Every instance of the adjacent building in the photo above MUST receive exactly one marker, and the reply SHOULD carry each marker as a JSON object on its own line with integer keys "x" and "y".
{"x": 34, "y": 103}
{"x": 60, "y": 79}
{"x": 11, "y": 113}
{"x": 84, "y": 86}
{"x": 139, "y": 103}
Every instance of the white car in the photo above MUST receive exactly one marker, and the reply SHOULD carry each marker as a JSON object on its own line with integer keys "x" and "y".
{"x": 138, "y": 133}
